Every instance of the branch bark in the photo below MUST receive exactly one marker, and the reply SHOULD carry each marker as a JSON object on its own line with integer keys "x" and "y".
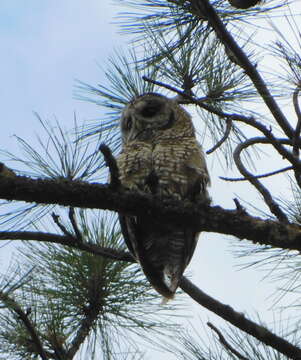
{"x": 199, "y": 216}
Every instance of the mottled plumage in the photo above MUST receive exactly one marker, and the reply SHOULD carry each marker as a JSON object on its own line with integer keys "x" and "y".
{"x": 160, "y": 155}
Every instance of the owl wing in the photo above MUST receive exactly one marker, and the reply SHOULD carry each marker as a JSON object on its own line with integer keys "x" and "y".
{"x": 163, "y": 249}
{"x": 147, "y": 241}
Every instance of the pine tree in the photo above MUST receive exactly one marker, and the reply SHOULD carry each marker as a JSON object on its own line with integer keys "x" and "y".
{"x": 74, "y": 291}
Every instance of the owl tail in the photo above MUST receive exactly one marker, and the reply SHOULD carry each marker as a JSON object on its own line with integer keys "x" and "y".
{"x": 162, "y": 250}
{"x": 157, "y": 277}
{"x": 164, "y": 257}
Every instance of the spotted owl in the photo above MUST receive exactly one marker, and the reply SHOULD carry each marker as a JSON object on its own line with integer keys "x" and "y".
{"x": 160, "y": 155}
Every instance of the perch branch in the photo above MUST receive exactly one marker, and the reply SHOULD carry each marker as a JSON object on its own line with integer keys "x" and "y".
{"x": 200, "y": 216}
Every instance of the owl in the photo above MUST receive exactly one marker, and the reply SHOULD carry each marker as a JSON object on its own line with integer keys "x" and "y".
{"x": 161, "y": 156}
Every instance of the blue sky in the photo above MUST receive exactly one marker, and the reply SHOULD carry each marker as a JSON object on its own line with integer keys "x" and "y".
{"x": 45, "y": 46}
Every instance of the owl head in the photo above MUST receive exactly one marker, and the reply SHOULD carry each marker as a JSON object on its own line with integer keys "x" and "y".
{"x": 149, "y": 116}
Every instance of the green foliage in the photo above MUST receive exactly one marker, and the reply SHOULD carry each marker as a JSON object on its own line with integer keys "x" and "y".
{"x": 124, "y": 77}
{"x": 79, "y": 302}
{"x": 76, "y": 297}
{"x": 58, "y": 155}
{"x": 193, "y": 345}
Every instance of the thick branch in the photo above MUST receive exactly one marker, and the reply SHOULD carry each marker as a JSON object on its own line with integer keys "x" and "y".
{"x": 15, "y": 307}
{"x": 240, "y": 321}
{"x": 200, "y": 216}
{"x": 204, "y": 7}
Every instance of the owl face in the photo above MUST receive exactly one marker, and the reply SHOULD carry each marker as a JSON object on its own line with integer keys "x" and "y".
{"x": 147, "y": 114}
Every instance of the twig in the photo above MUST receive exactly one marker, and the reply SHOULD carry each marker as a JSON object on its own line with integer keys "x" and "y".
{"x": 223, "y": 139}
{"x": 274, "y": 207}
{"x": 56, "y": 220}
{"x": 74, "y": 224}
{"x": 224, "y": 342}
{"x": 112, "y": 165}
{"x": 15, "y": 307}
{"x": 182, "y": 93}
{"x": 204, "y": 7}
{"x": 240, "y": 209}
{"x": 296, "y": 140}
{"x": 258, "y": 176}
{"x": 298, "y": 127}
{"x": 67, "y": 241}
{"x": 240, "y": 321}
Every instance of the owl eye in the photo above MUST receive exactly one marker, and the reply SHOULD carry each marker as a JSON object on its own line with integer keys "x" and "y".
{"x": 128, "y": 122}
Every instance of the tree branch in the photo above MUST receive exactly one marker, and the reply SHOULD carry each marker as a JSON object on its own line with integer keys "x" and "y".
{"x": 249, "y": 120}
{"x": 199, "y": 216}
{"x": 224, "y": 311}
{"x": 272, "y": 173}
{"x": 63, "y": 229}
{"x": 223, "y": 139}
{"x": 274, "y": 207}
{"x": 204, "y": 7}
{"x": 67, "y": 241}
{"x": 298, "y": 127}
{"x": 112, "y": 165}
{"x": 72, "y": 219}
{"x": 15, "y": 307}
{"x": 240, "y": 321}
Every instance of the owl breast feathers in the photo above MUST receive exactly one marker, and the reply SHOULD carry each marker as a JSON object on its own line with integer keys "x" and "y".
{"x": 160, "y": 155}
